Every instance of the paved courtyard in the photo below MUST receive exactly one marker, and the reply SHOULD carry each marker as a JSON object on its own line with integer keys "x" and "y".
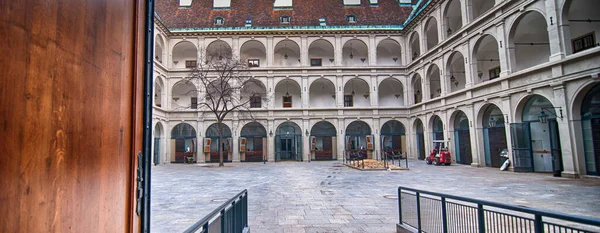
{"x": 327, "y": 197}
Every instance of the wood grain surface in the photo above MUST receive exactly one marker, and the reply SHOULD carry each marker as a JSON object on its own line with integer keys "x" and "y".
{"x": 69, "y": 121}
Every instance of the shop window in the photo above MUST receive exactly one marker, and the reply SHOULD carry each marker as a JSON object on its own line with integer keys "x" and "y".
{"x": 287, "y": 101}
{"x": 253, "y": 63}
{"x": 316, "y": 62}
{"x": 348, "y": 100}
{"x": 585, "y": 42}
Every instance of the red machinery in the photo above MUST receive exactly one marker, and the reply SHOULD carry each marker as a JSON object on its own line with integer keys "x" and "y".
{"x": 439, "y": 154}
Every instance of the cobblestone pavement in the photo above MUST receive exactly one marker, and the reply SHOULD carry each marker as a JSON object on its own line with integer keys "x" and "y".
{"x": 328, "y": 197}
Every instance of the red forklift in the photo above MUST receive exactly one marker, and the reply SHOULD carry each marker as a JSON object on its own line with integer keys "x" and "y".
{"x": 440, "y": 154}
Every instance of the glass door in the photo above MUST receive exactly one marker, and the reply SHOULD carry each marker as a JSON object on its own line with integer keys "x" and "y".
{"x": 521, "y": 145}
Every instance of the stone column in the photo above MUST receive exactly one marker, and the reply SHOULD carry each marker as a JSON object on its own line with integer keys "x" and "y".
{"x": 271, "y": 141}
{"x": 569, "y": 159}
{"x": 372, "y": 48}
{"x": 305, "y": 92}
{"x": 337, "y": 48}
{"x": 305, "y": 141}
{"x": 556, "y": 48}
{"x": 374, "y": 91}
{"x": 304, "y": 59}
{"x": 270, "y": 51}
{"x": 339, "y": 92}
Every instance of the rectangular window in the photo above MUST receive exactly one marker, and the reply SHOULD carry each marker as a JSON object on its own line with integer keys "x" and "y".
{"x": 316, "y": 62}
{"x": 190, "y": 64}
{"x": 585, "y": 42}
{"x": 348, "y": 100}
{"x": 494, "y": 72}
{"x": 253, "y": 63}
{"x": 287, "y": 101}
{"x": 255, "y": 102}
{"x": 194, "y": 103}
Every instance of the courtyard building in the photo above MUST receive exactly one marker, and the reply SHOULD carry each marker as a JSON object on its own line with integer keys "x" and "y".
{"x": 486, "y": 76}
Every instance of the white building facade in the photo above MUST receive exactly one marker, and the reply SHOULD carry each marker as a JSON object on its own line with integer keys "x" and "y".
{"x": 484, "y": 75}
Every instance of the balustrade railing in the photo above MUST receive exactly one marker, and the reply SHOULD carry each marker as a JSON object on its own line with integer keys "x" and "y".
{"x": 231, "y": 217}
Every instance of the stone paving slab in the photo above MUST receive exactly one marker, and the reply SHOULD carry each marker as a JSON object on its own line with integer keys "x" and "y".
{"x": 326, "y": 197}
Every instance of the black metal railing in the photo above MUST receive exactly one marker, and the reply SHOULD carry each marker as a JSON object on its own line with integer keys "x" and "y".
{"x": 231, "y": 217}
{"x": 435, "y": 212}
{"x": 390, "y": 157}
{"x": 355, "y": 158}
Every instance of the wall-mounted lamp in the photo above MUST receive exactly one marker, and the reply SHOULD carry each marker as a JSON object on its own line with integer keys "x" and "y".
{"x": 270, "y": 133}
{"x": 306, "y": 132}
{"x": 543, "y": 117}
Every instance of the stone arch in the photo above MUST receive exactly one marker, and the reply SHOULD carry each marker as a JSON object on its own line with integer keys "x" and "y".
{"x": 217, "y": 50}
{"x": 185, "y": 54}
{"x": 288, "y": 94}
{"x": 355, "y": 52}
{"x": 433, "y": 77}
{"x": 456, "y": 77}
{"x": 431, "y": 32}
{"x": 575, "y": 26}
{"x": 322, "y": 49}
{"x": 253, "y": 50}
{"x": 391, "y": 92}
{"x": 159, "y": 49}
{"x": 183, "y": 139}
{"x": 487, "y": 59}
{"x": 417, "y": 88}
{"x": 183, "y": 94}
{"x": 291, "y": 49}
{"x": 389, "y": 52}
{"x": 453, "y": 17}
{"x": 415, "y": 46}
{"x": 360, "y": 90}
{"x": 322, "y": 94}
{"x": 529, "y": 43}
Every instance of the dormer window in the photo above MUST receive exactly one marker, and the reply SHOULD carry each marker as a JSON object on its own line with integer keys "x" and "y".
{"x": 322, "y": 22}
{"x": 219, "y": 21}
{"x": 248, "y": 23}
{"x": 284, "y": 19}
{"x": 351, "y": 19}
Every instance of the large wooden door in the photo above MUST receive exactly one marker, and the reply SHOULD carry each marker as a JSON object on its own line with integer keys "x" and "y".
{"x": 71, "y": 94}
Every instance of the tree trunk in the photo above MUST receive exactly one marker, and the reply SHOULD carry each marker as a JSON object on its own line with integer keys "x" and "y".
{"x": 220, "y": 127}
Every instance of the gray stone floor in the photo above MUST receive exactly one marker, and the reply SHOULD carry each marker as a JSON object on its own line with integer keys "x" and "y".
{"x": 327, "y": 197}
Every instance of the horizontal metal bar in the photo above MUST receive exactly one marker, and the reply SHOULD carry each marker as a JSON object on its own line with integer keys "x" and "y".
{"x": 545, "y": 213}
{"x": 215, "y": 212}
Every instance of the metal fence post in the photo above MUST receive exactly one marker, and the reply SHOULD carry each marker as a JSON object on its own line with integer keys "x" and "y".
{"x": 399, "y": 206}
{"x": 223, "y": 221}
{"x": 481, "y": 218}
{"x": 419, "y": 211}
{"x": 538, "y": 224}
{"x": 444, "y": 216}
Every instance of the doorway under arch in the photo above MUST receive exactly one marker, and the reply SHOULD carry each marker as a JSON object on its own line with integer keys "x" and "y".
{"x": 420, "y": 139}
{"x": 393, "y": 137}
{"x": 253, "y": 142}
{"x": 288, "y": 142}
{"x": 494, "y": 135}
{"x": 462, "y": 139}
{"x": 322, "y": 141}
{"x": 183, "y": 136}
{"x": 359, "y": 138}
{"x": 212, "y": 134}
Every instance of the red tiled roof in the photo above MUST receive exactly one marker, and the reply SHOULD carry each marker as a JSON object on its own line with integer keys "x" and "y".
{"x": 262, "y": 13}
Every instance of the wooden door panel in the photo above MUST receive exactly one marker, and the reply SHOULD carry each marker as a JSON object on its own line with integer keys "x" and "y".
{"x": 68, "y": 115}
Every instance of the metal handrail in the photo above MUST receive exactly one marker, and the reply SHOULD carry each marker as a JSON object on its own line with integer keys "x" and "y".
{"x": 239, "y": 199}
{"x": 538, "y": 213}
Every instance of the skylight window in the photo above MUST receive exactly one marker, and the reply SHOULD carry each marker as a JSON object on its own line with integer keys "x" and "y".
{"x": 351, "y": 19}
{"x": 284, "y": 19}
{"x": 219, "y": 21}
{"x": 248, "y": 23}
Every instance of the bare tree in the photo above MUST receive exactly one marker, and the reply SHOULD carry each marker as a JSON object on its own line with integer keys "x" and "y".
{"x": 225, "y": 87}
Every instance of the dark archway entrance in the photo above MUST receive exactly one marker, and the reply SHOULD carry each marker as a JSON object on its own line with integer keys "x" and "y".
{"x": 359, "y": 138}
{"x": 322, "y": 138}
{"x": 253, "y": 141}
{"x": 494, "y": 135}
{"x": 590, "y": 121}
{"x": 393, "y": 137}
{"x": 184, "y": 137}
{"x": 288, "y": 142}
{"x": 545, "y": 155}
{"x": 462, "y": 139}
{"x": 212, "y": 140}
